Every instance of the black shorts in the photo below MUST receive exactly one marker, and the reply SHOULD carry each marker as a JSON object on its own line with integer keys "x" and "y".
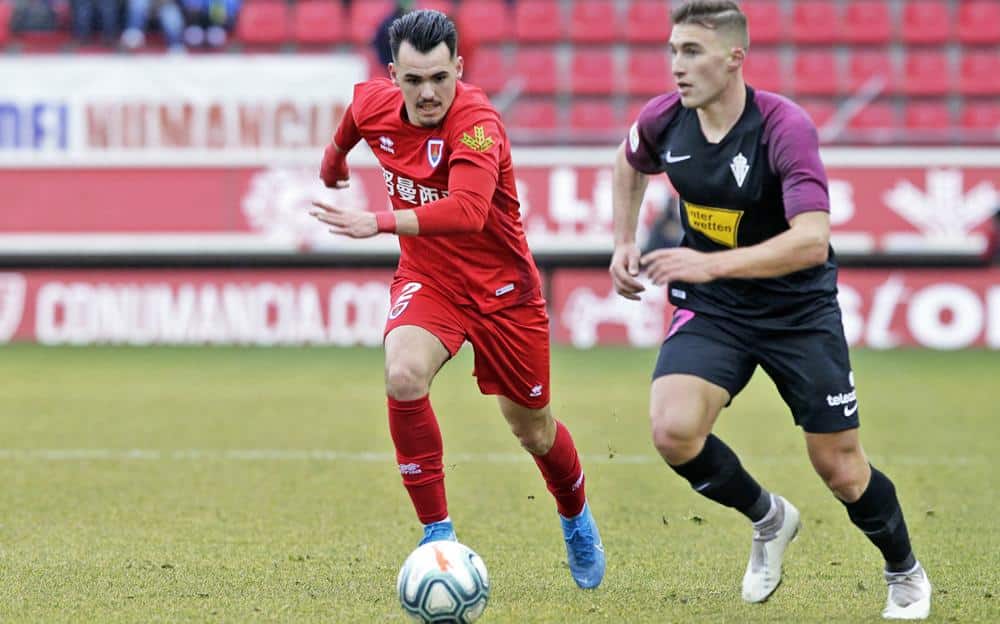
{"x": 808, "y": 362}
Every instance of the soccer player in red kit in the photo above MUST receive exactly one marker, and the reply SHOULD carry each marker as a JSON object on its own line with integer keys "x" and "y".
{"x": 465, "y": 272}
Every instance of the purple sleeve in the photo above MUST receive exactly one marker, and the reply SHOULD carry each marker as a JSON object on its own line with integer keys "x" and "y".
{"x": 641, "y": 148}
{"x": 794, "y": 156}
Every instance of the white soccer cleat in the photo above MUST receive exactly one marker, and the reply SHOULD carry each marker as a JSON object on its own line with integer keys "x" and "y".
{"x": 909, "y": 595}
{"x": 763, "y": 573}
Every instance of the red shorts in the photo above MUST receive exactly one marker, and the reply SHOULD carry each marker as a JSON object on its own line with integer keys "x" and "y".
{"x": 511, "y": 345}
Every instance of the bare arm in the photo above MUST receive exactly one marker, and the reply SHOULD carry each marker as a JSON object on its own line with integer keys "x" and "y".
{"x": 805, "y": 244}
{"x": 628, "y": 188}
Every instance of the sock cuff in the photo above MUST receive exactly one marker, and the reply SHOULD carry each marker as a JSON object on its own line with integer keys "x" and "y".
{"x": 414, "y": 404}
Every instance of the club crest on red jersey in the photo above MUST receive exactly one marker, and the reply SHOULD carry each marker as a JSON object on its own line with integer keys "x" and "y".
{"x": 435, "y": 148}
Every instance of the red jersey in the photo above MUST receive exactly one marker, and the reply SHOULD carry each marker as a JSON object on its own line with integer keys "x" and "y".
{"x": 491, "y": 269}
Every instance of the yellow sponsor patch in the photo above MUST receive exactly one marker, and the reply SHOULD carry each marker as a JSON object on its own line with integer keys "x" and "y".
{"x": 478, "y": 141}
{"x": 719, "y": 224}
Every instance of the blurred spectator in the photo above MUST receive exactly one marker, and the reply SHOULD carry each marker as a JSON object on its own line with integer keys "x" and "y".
{"x": 381, "y": 40}
{"x": 667, "y": 230}
{"x": 210, "y": 21}
{"x": 33, "y": 15}
{"x": 88, "y": 14}
{"x": 168, "y": 15}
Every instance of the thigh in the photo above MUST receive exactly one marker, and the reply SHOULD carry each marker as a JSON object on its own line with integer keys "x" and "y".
{"x": 707, "y": 348}
{"x": 811, "y": 367}
{"x": 512, "y": 353}
{"x": 414, "y": 303}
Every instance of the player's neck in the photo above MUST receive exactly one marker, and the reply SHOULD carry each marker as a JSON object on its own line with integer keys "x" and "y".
{"x": 718, "y": 117}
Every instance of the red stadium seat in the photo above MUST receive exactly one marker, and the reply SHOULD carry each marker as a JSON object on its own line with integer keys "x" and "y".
{"x": 817, "y": 73}
{"x": 536, "y": 114}
{"x": 366, "y": 15}
{"x": 263, "y": 24}
{"x": 647, "y": 21}
{"x": 927, "y": 73}
{"x": 648, "y": 72}
{"x": 875, "y": 116}
{"x": 491, "y": 69}
{"x": 538, "y": 70}
{"x": 594, "y": 72}
{"x": 979, "y": 22}
{"x": 981, "y": 115}
{"x": 980, "y": 74}
{"x": 485, "y": 21}
{"x": 538, "y": 21}
{"x": 926, "y": 21}
{"x": 815, "y": 21}
{"x": 444, "y": 6}
{"x": 318, "y": 22}
{"x": 820, "y": 110}
{"x": 594, "y": 21}
{"x": 595, "y": 116}
{"x": 927, "y": 116}
{"x": 765, "y": 20}
{"x": 867, "y": 21}
{"x": 763, "y": 70}
{"x": 862, "y": 66}
{"x": 6, "y": 12}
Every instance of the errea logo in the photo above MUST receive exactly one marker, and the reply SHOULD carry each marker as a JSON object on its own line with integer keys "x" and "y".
{"x": 386, "y": 144}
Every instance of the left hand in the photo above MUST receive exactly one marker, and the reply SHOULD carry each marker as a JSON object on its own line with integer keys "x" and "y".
{"x": 677, "y": 263}
{"x": 352, "y": 223}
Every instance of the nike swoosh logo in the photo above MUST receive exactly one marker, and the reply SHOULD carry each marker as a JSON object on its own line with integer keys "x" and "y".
{"x": 675, "y": 159}
{"x": 849, "y": 410}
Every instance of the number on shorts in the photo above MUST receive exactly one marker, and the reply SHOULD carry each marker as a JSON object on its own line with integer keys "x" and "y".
{"x": 399, "y": 306}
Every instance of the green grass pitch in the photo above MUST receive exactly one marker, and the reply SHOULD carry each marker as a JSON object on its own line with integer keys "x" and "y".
{"x": 234, "y": 485}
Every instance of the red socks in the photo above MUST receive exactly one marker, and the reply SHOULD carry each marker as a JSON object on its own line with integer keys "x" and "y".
{"x": 563, "y": 476}
{"x": 417, "y": 438}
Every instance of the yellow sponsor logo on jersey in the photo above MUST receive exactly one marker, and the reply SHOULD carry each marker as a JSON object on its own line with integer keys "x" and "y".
{"x": 478, "y": 141}
{"x": 719, "y": 224}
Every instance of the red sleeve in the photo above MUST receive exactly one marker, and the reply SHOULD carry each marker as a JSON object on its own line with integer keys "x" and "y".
{"x": 347, "y": 135}
{"x": 477, "y": 142}
{"x": 470, "y": 194}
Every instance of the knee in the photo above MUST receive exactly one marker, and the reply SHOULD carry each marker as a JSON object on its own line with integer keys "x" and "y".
{"x": 535, "y": 434}
{"x": 673, "y": 439}
{"x": 405, "y": 381}
{"x": 847, "y": 479}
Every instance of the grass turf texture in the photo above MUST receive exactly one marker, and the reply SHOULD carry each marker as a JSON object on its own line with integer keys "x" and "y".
{"x": 135, "y": 488}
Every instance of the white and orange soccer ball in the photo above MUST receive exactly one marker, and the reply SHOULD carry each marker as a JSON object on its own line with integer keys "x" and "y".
{"x": 443, "y": 582}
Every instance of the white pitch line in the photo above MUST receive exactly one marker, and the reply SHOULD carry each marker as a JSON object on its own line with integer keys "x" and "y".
{"x": 329, "y": 455}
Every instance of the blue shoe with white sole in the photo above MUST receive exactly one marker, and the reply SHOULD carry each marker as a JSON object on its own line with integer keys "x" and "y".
{"x": 584, "y": 549}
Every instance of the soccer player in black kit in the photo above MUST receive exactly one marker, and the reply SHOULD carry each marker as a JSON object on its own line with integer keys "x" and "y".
{"x": 755, "y": 283}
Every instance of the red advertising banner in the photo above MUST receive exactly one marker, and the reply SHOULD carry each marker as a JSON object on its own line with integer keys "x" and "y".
{"x": 940, "y": 309}
{"x": 882, "y": 309}
{"x": 888, "y": 202}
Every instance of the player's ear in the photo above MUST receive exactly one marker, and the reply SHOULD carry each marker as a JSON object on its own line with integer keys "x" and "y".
{"x": 736, "y": 57}
{"x": 392, "y": 74}
{"x": 459, "y": 67}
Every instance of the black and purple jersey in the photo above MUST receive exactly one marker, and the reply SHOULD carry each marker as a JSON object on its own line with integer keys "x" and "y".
{"x": 739, "y": 192}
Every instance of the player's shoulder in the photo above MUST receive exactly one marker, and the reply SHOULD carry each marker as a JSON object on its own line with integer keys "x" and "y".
{"x": 373, "y": 96}
{"x": 658, "y": 112}
{"x": 781, "y": 114}
{"x": 471, "y": 106}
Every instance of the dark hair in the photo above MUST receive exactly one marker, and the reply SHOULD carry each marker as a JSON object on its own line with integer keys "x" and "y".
{"x": 425, "y": 30}
{"x": 715, "y": 15}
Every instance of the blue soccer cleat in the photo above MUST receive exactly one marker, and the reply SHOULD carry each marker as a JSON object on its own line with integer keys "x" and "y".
{"x": 443, "y": 531}
{"x": 584, "y": 549}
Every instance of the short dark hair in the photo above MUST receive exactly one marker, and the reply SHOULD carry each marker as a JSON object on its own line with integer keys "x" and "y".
{"x": 715, "y": 15}
{"x": 425, "y": 30}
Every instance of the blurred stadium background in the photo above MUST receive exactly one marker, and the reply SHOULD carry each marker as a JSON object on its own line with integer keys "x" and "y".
{"x": 153, "y": 197}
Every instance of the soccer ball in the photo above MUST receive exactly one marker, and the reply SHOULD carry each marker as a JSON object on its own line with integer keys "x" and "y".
{"x": 443, "y": 582}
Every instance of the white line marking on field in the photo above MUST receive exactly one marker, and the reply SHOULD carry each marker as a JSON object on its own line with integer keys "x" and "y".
{"x": 329, "y": 455}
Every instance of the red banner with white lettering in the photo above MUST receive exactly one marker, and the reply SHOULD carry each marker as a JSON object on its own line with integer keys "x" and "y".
{"x": 940, "y": 309}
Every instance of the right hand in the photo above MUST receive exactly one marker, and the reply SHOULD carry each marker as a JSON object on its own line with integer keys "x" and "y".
{"x": 333, "y": 171}
{"x": 624, "y": 269}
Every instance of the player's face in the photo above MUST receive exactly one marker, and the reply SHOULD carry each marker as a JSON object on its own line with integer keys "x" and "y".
{"x": 703, "y": 63}
{"x": 427, "y": 80}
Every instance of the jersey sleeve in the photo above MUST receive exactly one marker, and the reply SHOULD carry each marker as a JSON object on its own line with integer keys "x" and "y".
{"x": 370, "y": 99}
{"x": 794, "y": 156}
{"x": 477, "y": 140}
{"x": 641, "y": 149}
